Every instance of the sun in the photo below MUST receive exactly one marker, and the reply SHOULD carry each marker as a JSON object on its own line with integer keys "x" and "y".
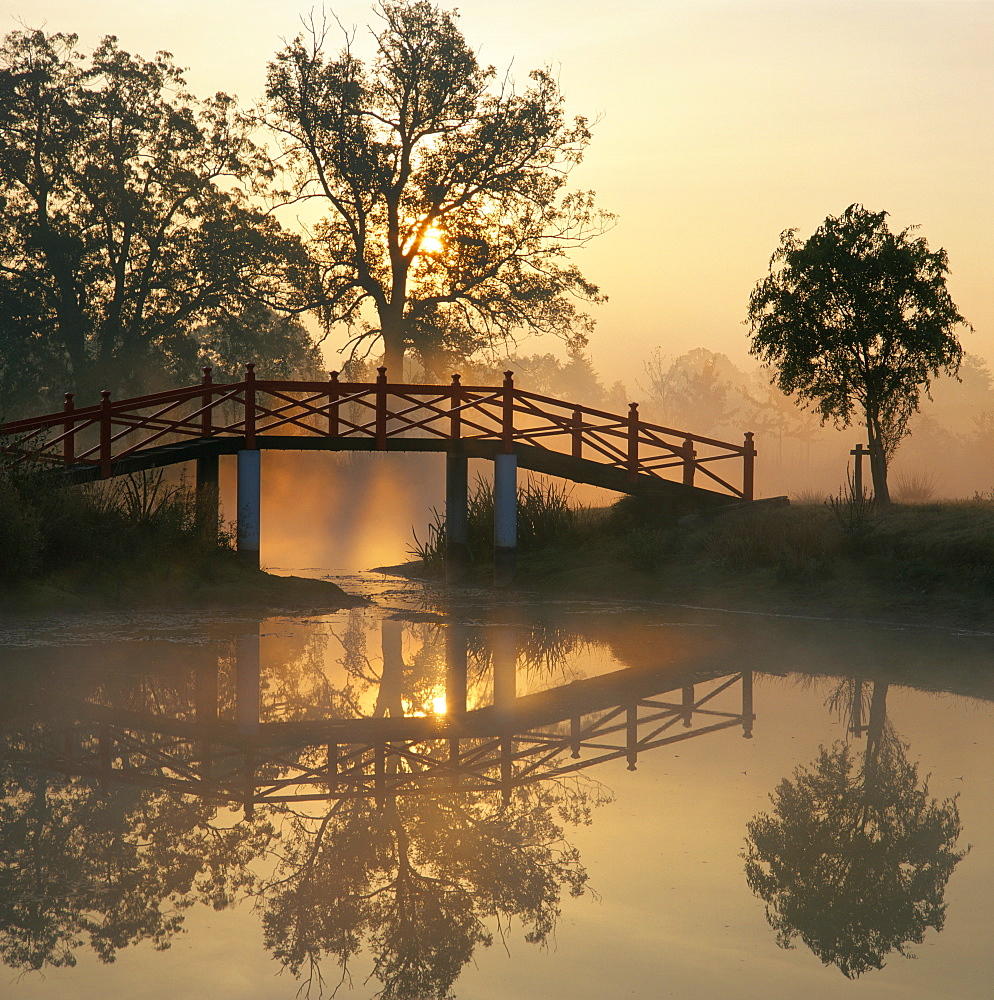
{"x": 432, "y": 242}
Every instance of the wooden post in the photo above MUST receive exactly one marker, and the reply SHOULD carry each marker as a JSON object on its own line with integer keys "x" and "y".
{"x": 689, "y": 463}
{"x": 633, "y": 736}
{"x": 748, "y": 466}
{"x": 333, "y": 428}
{"x": 248, "y": 683}
{"x": 748, "y": 716}
{"x": 250, "y": 406}
{"x": 381, "y": 409}
{"x": 455, "y": 416}
{"x": 69, "y": 441}
{"x": 687, "y": 705}
{"x": 857, "y": 472}
{"x": 207, "y": 493}
{"x": 633, "y": 441}
{"x": 206, "y": 398}
{"x": 455, "y": 669}
{"x": 456, "y": 511}
{"x": 105, "y": 435}
{"x": 504, "y": 646}
{"x": 577, "y": 433}
{"x": 507, "y": 414}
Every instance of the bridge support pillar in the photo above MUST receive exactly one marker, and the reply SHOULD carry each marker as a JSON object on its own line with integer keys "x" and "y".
{"x": 505, "y": 518}
{"x": 208, "y": 480}
{"x": 249, "y": 504}
{"x": 456, "y": 526}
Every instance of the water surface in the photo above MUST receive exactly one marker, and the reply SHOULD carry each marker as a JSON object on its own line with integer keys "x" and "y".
{"x": 452, "y": 794}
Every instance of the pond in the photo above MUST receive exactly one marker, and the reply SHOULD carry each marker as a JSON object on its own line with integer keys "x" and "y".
{"x": 488, "y": 796}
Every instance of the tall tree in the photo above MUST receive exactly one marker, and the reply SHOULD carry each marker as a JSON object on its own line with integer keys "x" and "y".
{"x": 857, "y": 321}
{"x": 126, "y": 219}
{"x": 449, "y": 217}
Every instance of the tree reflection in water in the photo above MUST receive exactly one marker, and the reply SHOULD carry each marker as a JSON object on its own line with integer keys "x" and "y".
{"x": 80, "y": 865}
{"x": 855, "y": 859}
{"x": 415, "y": 882}
{"x": 421, "y": 882}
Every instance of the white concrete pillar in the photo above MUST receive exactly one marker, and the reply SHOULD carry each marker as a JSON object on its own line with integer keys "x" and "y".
{"x": 249, "y": 504}
{"x": 505, "y": 518}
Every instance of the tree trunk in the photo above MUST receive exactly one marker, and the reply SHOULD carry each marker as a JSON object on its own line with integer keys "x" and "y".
{"x": 394, "y": 344}
{"x": 878, "y": 461}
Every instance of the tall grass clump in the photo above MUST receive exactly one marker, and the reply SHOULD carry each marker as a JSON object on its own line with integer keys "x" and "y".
{"x": 138, "y": 522}
{"x": 545, "y": 520}
{"x": 915, "y": 487}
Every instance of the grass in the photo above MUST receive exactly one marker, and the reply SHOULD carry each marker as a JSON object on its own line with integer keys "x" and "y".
{"x": 843, "y": 554}
{"x": 545, "y": 520}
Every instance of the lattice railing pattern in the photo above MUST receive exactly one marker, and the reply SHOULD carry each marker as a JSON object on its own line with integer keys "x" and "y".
{"x": 376, "y": 411}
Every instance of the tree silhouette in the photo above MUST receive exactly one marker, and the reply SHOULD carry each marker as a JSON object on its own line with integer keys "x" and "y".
{"x": 127, "y": 219}
{"x": 857, "y": 320}
{"x": 79, "y": 865}
{"x": 420, "y": 883}
{"x": 449, "y": 216}
{"x": 855, "y": 858}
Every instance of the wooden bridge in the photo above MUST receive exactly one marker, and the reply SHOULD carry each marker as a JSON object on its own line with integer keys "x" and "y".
{"x": 510, "y": 426}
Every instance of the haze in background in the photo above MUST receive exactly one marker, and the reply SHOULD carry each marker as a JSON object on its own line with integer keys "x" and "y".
{"x": 720, "y": 125}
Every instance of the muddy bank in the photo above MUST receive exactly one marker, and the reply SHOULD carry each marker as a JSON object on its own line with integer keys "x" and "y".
{"x": 226, "y": 586}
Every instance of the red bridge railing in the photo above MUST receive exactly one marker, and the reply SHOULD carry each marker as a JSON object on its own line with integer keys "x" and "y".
{"x": 376, "y": 411}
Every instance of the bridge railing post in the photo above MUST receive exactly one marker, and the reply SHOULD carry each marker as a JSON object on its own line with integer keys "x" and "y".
{"x": 68, "y": 425}
{"x": 633, "y": 441}
{"x": 381, "y": 409}
{"x": 250, "y": 407}
{"x": 507, "y": 415}
{"x": 455, "y": 417}
{"x": 206, "y": 401}
{"x": 689, "y": 463}
{"x": 576, "y": 433}
{"x": 105, "y": 434}
{"x": 748, "y": 467}
{"x": 333, "y": 404}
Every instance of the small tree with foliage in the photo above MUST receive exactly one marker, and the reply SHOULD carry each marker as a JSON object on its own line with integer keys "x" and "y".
{"x": 857, "y": 320}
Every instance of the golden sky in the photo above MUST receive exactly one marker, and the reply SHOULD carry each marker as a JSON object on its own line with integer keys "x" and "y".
{"x": 720, "y": 125}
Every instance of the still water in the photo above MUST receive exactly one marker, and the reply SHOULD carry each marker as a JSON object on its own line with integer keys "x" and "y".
{"x": 456, "y": 795}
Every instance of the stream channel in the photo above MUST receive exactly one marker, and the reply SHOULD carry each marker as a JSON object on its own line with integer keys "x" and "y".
{"x": 483, "y": 796}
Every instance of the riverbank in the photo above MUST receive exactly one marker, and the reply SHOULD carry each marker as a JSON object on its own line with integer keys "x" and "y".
{"x": 908, "y": 563}
{"x": 217, "y": 581}
{"x": 135, "y": 542}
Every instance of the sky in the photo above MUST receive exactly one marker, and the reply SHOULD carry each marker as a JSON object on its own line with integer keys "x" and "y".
{"x": 719, "y": 124}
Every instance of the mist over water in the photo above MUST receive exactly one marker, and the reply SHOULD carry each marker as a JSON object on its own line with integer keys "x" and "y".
{"x": 651, "y": 834}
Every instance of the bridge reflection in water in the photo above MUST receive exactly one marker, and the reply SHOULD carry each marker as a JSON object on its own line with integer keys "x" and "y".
{"x": 228, "y": 753}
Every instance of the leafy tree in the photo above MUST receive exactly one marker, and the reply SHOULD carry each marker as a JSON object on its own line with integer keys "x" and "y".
{"x": 449, "y": 216}
{"x": 126, "y": 219}
{"x": 279, "y": 344}
{"x": 857, "y": 321}
{"x": 856, "y": 856}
